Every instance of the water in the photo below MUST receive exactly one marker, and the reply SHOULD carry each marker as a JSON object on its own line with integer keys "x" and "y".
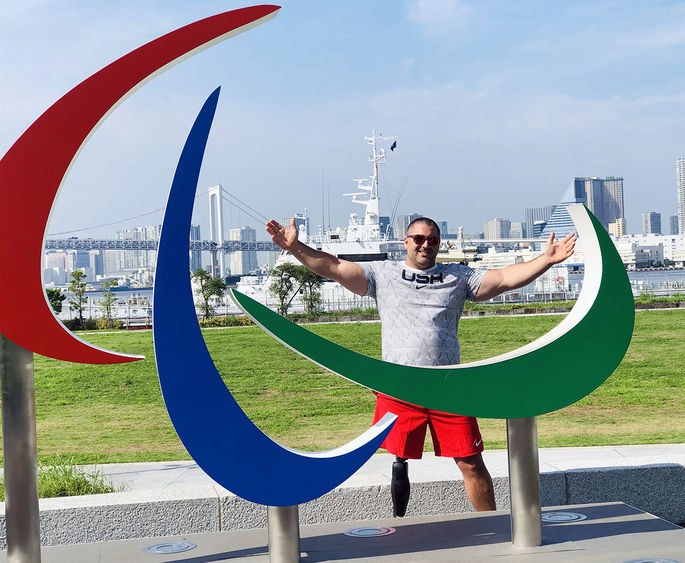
{"x": 133, "y": 303}
{"x": 658, "y": 279}
{"x": 659, "y": 282}
{"x": 124, "y": 295}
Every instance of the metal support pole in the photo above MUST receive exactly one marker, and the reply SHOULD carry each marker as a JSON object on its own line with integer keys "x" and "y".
{"x": 284, "y": 534}
{"x": 524, "y": 481}
{"x": 19, "y": 442}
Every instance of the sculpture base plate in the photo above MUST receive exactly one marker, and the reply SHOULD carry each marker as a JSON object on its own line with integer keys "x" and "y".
{"x": 609, "y": 532}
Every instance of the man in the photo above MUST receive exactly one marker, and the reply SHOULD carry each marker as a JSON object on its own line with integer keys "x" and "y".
{"x": 420, "y": 303}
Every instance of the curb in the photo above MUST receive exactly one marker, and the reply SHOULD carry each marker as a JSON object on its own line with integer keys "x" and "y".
{"x": 658, "y": 489}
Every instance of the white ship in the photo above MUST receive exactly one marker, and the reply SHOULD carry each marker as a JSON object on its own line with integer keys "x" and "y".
{"x": 364, "y": 239}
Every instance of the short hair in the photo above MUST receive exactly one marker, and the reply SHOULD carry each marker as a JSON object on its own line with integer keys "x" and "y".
{"x": 426, "y": 221}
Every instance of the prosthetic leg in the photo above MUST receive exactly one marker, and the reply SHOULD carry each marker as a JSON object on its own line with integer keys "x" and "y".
{"x": 399, "y": 486}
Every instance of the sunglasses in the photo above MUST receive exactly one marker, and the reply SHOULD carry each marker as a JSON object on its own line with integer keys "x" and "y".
{"x": 420, "y": 239}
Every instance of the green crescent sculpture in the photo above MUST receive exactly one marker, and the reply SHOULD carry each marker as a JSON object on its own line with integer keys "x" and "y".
{"x": 554, "y": 371}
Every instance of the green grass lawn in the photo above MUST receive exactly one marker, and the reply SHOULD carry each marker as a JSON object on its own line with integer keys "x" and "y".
{"x": 116, "y": 413}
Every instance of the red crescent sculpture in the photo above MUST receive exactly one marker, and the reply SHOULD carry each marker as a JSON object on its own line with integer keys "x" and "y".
{"x": 33, "y": 169}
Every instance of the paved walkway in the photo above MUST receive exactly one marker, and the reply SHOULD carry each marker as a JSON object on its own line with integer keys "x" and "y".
{"x": 611, "y": 532}
{"x": 187, "y": 475}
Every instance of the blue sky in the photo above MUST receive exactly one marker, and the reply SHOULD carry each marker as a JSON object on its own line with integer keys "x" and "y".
{"x": 496, "y": 105}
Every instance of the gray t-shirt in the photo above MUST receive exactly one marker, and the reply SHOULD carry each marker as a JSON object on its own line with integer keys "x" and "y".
{"x": 420, "y": 309}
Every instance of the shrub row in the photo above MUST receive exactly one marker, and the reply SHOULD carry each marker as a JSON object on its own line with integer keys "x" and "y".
{"x": 93, "y": 324}
{"x": 232, "y": 320}
{"x": 651, "y": 298}
{"x": 371, "y": 313}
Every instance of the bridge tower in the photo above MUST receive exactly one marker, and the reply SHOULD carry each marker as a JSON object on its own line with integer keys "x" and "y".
{"x": 216, "y": 229}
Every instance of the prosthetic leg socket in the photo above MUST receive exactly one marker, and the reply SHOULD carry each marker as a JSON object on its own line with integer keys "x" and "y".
{"x": 399, "y": 486}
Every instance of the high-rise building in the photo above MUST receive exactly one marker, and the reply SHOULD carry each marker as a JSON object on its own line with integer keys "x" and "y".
{"x": 243, "y": 261}
{"x": 613, "y": 205}
{"x": 139, "y": 259}
{"x": 538, "y": 227}
{"x": 680, "y": 175}
{"x": 618, "y": 228}
{"x": 400, "y": 226}
{"x": 604, "y": 198}
{"x": 443, "y": 228}
{"x": 560, "y": 222}
{"x": 57, "y": 265}
{"x": 673, "y": 222}
{"x": 386, "y": 227}
{"x": 63, "y": 260}
{"x": 195, "y": 255}
{"x": 82, "y": 259}
{"x": 537, "y": 215}
{"x": 402, "y": 223}
{"x": 651, "y": 223}
{"x": 110, "y": 262}
{"x": 517, "y": 230}
{"x": 497, "y": 228}
{"x": 96, "y": 259}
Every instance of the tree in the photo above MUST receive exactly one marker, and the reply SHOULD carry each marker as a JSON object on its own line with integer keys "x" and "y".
{"x": 310, "y": 285}
{"x": 108, "y": 300}
{"x": 55, "y": 297}
{"x": 282, "y": 286}
{"x": 208, "y": 287}
{"x": 287, "y": 280}
{"x": 78, "y": 287}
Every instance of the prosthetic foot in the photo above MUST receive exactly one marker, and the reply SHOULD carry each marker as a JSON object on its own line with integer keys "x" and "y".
{"x": 399, "y": 486}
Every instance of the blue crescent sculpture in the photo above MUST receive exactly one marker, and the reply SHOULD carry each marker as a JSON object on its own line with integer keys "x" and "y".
{"x": 212, "y": 426}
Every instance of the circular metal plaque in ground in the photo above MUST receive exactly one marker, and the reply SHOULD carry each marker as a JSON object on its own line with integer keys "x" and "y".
{"x": 369, "y": 532}
{"x": 171, "y": 547}
{"x": 651, "y": 560}
{"x": 562, "y": 517}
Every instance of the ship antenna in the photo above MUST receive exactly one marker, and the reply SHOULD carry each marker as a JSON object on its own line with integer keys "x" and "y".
{"x": 368, "y": 188}
{"x": 377, "y": 157}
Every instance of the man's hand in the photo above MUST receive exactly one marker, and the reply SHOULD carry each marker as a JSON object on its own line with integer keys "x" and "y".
{"x": 499, "y": 280}
{"x": 348, "y": 274}
{"x": 557, "y": 252}
{"x": 284, "y": 238}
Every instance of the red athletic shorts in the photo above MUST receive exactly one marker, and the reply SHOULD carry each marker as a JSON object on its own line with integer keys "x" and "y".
{"x": 453, "y": 435}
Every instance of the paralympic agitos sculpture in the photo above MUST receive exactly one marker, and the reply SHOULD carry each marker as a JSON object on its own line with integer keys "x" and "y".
{"x": 526, "y": 382}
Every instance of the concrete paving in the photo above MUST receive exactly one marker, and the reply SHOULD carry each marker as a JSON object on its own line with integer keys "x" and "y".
{"x": 187, "y": 475}
{"x": 171, "y": 499}
{"x": 607, "y": 532}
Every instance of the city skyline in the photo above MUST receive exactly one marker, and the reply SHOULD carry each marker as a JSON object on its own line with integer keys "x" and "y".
{"x": 607, "y": 205}
{"x": 495, "y": 106}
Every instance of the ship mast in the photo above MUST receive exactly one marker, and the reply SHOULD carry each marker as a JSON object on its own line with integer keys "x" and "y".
{"x": 377, "y": 157}
{"x": 369, "y": 187}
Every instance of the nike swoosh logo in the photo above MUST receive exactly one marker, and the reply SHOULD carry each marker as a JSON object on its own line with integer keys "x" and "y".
{"x": 478, "y": 443}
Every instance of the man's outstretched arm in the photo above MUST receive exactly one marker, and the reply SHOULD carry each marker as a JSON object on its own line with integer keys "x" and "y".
{"x": 518, "y": 275}
{"x": 348, "y": 274}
